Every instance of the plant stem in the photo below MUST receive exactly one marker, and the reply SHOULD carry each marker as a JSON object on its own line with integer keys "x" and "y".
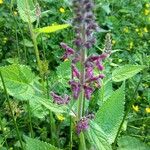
{"x": 11, "y": 111}
{"x": 17, "y": 45}
{"x": 82, "y": 81}
{"x": 2, "y": 128}
{"x": 24, "y": 48}
{"x": 52, "y": 120}
{"x": 30, "y": 120}
{"x": 127, "y": 111}
{"x": 70, "y": 133}
{"x": 82, "y": 142}
{"x": 33, "y": 37}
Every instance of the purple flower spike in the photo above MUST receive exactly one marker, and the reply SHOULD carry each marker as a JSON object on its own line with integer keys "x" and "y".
{"x": 60, "y": 100}
{"x": 76, "y": 87}
{"x": 88, "y": 91}
{"x": 82, "y": 125}
{"x": 75, "y": 71}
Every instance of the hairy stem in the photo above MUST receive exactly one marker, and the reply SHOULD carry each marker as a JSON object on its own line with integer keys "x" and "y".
{"x": 11, "y": 111}
{"x": 33, "y": 36}
{"x": 82, "y": 81}
{"x": 82, "y": 142}
{"x": 70, "y": 133}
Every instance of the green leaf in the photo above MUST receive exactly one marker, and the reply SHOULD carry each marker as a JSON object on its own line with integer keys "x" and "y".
{"x": 106, "y": 90}
{"x": 110, "y": 114}
{"x": 126, "y": 72}
{"x": 97, "y": 138}
{"x": 22, "y": 84}
{"x": 64, "y": 72}
{"x": 131, "y": 143}
{"x": 35, "y": 144}
{"x": 27, "y": 43}
{"x": 50, "y": 29}
{"x": 19, "y": 81}
{"x": 22, "y": 8}
{"x": 106, "y": 8}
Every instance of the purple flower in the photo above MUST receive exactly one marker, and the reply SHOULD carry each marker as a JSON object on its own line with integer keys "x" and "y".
{"x": 60, "y": 100}
{"x": 99, "y": 65}
{"x": 101, "y": 76}
{"x": 76, "y": 87}
{"x": 76, "y": 58}
{"x": 89, "y": 72}
{"x": 69, "y": 51}
{"x": 75, "y": 71}
{"x": 78, "y": 42}
{"x": 82, "y": 125}
{"x": 92, "y": 58}
{"x": 88, "y": 91}
{"x": 103, "y": 56}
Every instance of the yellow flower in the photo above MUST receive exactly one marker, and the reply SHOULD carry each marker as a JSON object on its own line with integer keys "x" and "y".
{"x": 62, "y": 10}
{"x": 53, "y": 24}
{"x": 113, "y": 42}
{"x": 147, "y": 5}
{"x": 131, "y": 45}
{"x": 145, "y": 30}
{"x": 15, "y": 13}
{"x": 147, "y": 110}
{"x": 5, "y": 38}
{"x": 137, "y": 30}
{"x": 140, "y": 34}
{"x": 1, "y": 1}
{"x": 146, "y": 12}
{"x": 126, "y": 29}
{"x": 135, "y": 108}
{"x": 60, "y": 117}
{"x": 66, "y": 59}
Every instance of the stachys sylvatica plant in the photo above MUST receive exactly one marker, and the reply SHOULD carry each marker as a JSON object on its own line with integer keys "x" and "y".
{"x": 83, "y": 81}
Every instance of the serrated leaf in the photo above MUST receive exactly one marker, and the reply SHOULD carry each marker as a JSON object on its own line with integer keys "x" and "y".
{"x": 106, "y": 91}
{"x": 22, "y": 84}
{"x": 110, "y": 114}
{"x": 35, "y": 144}
{"x": 126, "y": 72}
{"x": 50, "y": 29}
{"x": 19, "y": 81}
{"x": 97, "y": 137}
{"x": 64, "y": 72}
{"x": 131, "y": 143}
{"x": 22, "y": 9}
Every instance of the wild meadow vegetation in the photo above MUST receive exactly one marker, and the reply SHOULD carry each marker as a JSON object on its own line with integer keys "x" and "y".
{"x": 74, "y": 75}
